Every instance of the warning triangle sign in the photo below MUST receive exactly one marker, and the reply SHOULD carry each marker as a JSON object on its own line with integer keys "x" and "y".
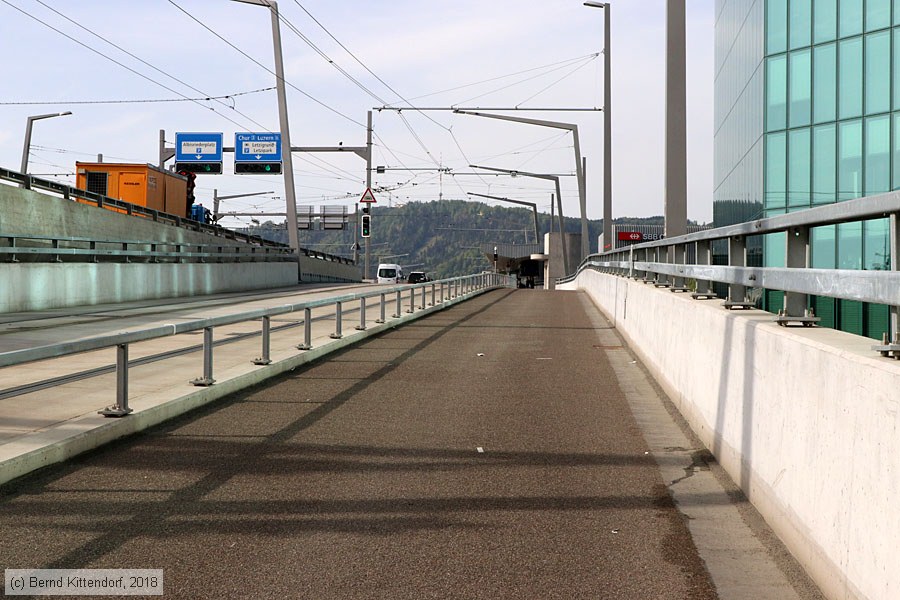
{"x": 368, "y": 196}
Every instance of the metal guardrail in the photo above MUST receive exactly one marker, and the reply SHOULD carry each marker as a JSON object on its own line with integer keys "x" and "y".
{"x": 90, "y": 249}
{"x": 663, "y": 263}
{"x": 453, "y": 288}
{"x": 99, "y": 200}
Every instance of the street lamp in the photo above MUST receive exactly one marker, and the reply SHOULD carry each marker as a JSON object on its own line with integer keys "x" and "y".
{"x": 27, "y": 148}
{"x": 607, "y": 129}
{"x": 555, "y": 179}
{"x": 579, "y": 165}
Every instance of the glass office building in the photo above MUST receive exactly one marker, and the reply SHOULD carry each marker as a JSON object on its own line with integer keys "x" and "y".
{"x": 808, "y": 113}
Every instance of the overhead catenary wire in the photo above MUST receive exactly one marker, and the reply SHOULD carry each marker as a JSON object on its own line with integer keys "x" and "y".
{"x": 133, "y": 101}
{"x": 142, "y": 61}
{"x": 109, "y": 58}
{"x": 262, "y": 66}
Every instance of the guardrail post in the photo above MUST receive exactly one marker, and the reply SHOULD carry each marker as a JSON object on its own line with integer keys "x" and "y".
{"x": 307, "y": 330}
{"x": 679, "y": 258}
{"x": 55, "y": 256}
{"x": 433, "y": 294}
{"x": 207, "y": 378}
{"x": 412, "y": 300}
{"x": 265, "y": 359}
{"x": 796, "y": 256}
{"x": 737, "y": 257}
{"x": 382, "y": 303}
{"x": 362, "y": 315}
{"x": 663, "y": 256}
{"x": 120, "y": 408}
{"x": 423, "y": 297}
{"x": 704, "y": 257}
{"x": 396, "y": 314}
{"x": 338, "y": 311}
{"x": 895, "y": 266}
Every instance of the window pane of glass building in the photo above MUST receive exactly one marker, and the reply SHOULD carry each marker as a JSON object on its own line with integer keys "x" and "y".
{"x": 876, "y": 245}
{"x": 822, "y": 247}
{"x": 896, "y": 12}
{"x": 824, "y": 83}
{"x": 824, "y": 151}
{"x": 800, "y": 23}
{"x": 776, "y": 26}
{"x": 849, "y": 245}
{"x": 850, "y": 78}
{"x": 776, "y": 83}
{"x": 896, "y": 72}
{"x": 849, "y": 160}
{"x": 776, "y": 166}
{"x": 800, "y": 105}
{"x": 825, "y": 21}
{"x": 851, "y": 15}
{"x": 878, "y": 155}
{"x": 878, "y": 72}
{"x": 798, "y": 167}
{"x": 895, "y": 163}
{"x": 878, "y": 14}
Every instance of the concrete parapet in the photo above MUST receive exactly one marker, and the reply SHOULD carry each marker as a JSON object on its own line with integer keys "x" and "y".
{"x": 40, "y": 286}
{"x": 805, "y": 420}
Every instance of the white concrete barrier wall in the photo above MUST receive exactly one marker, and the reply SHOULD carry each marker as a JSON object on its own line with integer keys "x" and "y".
{"x": 806, "y": 421}
{"x": 39, "y": 286}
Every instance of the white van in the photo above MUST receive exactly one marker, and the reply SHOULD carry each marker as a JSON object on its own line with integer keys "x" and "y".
{"x": 390, "y": 273}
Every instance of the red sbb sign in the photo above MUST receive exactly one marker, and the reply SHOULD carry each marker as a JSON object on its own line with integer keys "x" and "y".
{"x": 630, "y": 236}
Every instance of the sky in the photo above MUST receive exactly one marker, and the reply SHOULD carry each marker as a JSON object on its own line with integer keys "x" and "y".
{"x": 127, "y": 70}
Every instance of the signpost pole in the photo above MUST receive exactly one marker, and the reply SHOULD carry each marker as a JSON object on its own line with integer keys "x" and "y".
{"x": 368, "y": 184}
{"x": 289, "y": 191}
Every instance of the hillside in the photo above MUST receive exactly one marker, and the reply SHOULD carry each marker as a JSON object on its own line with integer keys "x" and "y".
{"x": 442, "y": 238}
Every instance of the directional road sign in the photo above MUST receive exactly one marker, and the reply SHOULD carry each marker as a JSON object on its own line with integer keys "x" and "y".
{"x": 198, "y": 152}
{"x": 198, "y": 147}
{"x": 257, "y": 147}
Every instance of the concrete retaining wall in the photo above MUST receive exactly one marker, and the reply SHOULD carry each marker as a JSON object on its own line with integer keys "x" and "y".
{"x": 806, "y": 421}
{"x": 39, "y": 286}
{"x": 29, "y": 286}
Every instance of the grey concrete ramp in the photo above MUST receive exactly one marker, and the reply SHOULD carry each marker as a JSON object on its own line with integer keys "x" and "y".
{"x": 486, "y": 451}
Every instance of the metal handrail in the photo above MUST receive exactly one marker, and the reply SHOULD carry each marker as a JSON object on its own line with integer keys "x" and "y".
{"x": 664, "y": 262}
{"x": 457, "y": 287}
{"x": 182, "y": 250}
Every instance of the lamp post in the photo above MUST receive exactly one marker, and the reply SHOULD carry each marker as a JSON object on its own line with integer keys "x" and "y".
{"x": 289, "y": 192}
{"x": 555, "y": 179}
{"x": 579, "y": 172}
{"x": 607, "y": 129}
{"x": 28, "y": 125}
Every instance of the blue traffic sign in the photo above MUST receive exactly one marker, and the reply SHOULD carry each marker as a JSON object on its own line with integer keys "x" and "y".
{"x": 198, "y": 147}
{"x": 257, "y": 147}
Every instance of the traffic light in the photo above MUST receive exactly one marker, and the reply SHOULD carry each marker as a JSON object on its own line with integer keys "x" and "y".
{"x": 202, "y": 168}
{"x": 191, "y": 184}
{"x": 366, "y": 225}
{"x": 257, "y": 168}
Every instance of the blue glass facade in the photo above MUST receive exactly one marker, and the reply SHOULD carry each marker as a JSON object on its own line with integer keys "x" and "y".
{"x": 826, "y": 75}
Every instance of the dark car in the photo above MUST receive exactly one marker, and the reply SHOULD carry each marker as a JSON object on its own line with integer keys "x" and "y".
{"x": 417, "y": 277}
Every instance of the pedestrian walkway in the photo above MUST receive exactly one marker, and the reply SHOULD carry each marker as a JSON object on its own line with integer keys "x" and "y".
{"x": 490, "y": 450}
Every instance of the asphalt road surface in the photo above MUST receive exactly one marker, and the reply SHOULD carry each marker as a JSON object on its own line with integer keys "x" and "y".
{"x": 485, "y": 451}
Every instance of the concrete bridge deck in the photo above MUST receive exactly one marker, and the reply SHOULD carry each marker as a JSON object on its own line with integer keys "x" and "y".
{"x": 507, "y": 447}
